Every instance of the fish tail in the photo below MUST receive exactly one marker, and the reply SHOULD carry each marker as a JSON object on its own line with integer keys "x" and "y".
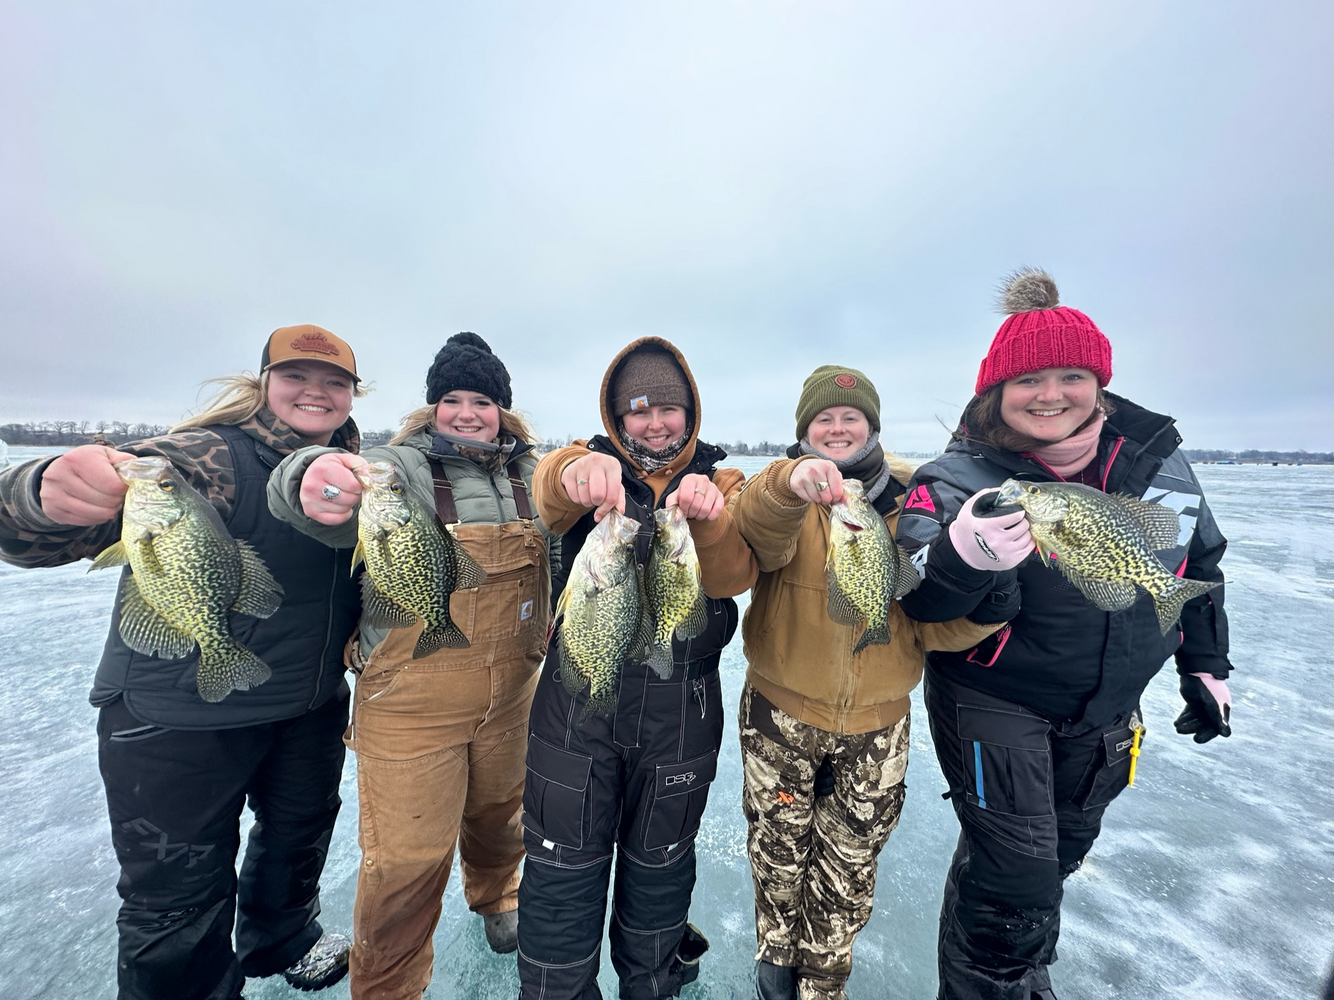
{"x": 600, "y": 702}
{"x": 1168, "y": 604}
{"x": 442, "y": 635}
{"x": 876, "y": 634}
{"x": 227, "y": 668}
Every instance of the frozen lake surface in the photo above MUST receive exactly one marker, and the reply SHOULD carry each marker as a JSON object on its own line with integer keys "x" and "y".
{"x": 1214, "y": 876}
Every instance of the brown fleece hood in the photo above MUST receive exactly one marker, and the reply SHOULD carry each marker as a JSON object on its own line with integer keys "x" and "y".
{"x": 612, "y": 426}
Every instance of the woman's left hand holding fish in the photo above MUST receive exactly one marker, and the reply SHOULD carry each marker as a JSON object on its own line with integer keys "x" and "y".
{"x": 698, "y": 498}
{"x": 330, "y": 488}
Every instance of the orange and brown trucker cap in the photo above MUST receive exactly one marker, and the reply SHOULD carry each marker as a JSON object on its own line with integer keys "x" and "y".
{"x": 308, "y": 342}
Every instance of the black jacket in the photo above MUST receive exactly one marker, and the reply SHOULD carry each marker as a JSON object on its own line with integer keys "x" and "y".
{"x": 706, "y": 648}
{"x": 302, "y": 642}
{"x": 1060, "y": 655}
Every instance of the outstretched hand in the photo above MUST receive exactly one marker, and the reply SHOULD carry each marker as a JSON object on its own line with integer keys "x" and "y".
{"x": 82, "y": 487}
{"x": 330, "y": 488}
{"x": 995, "y": 542}
{"x": 817, "y": 480}
{"x": 594, "y": 480}
{"x": 698, "y": 498}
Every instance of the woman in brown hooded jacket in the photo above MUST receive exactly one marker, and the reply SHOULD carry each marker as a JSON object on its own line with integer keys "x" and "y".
{"x": 632, "y": 785}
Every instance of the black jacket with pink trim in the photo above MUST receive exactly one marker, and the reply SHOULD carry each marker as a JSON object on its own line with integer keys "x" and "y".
{"x": 1060, "y": 655}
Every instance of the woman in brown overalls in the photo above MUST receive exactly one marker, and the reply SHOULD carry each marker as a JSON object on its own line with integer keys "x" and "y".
{"x": 440, "y": 741}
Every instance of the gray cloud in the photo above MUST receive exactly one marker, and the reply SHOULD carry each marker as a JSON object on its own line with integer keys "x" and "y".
{"x": 770, "y": 186}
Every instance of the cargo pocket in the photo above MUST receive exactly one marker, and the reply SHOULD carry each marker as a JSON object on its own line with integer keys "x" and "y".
{"x": 680, "y": 792}
{"x": 1110, "y": 769}
{"x": 1006, "y": 762}
{"x": 554, "y": 793}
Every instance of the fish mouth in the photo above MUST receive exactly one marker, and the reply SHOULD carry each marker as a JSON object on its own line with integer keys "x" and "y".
{"x": 1010, "y": 492}
{"x": 145, "y": 467}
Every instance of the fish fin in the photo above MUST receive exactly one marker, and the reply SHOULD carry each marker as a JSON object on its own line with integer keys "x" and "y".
{"x": 697, "y": 620}
{"x": 875, "y": 635}
{"x": 659, "y": 660}
{"x": 1109, "y": 595}
{"x": 600, "y": 703}
{"x": 379, "y": 611}
{"x": 260, "y": 593}
{"x": 148, "y": 556}
{"x": 144, "y": 630}
{"x": 1169, "y": 603}
{"x": 1161, "y": 524}
{"x": 906, "y": 578}
{"x": 444, "y": 635}
{"x": 113, "y": 555}
{"x": 467, "y": 574}
{"x": 840, "y": 607}
{"x": 570, "y": 677}
{"x": 358, "y": 556}
{"x": 228, "y": 668}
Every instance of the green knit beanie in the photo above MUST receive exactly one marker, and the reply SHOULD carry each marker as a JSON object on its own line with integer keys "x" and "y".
{"x": 835, "y": 385}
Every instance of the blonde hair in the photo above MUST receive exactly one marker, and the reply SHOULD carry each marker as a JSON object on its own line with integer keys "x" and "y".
{"x": 239, "y": 397}
{"x": 512, "y": 422}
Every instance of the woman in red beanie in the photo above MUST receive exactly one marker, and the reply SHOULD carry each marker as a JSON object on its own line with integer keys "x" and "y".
{"x": 1033, "y": 726}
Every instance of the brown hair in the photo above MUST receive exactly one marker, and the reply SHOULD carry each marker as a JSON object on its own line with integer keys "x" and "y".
{"x": 512, "y": 422}
{"x": 982, "y": 422}
{"x": 239, "y": 397}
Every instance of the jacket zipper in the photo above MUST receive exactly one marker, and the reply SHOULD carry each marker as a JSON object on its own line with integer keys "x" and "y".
{"x": 328, "y": 630}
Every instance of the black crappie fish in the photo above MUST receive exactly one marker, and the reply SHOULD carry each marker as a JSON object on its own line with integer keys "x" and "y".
{"x": 1104, "y": 543}
{"x": 187, "y": 575}
{"x": 413, "y": 563}
{"x": 867, "y": 569}
{"x": 603, "y": 620}
{"x": 672, "y": 583}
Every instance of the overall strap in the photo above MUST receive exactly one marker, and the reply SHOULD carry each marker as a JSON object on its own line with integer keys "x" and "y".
{"x": 521, "y": 505}
{"x": 444, "y": 494}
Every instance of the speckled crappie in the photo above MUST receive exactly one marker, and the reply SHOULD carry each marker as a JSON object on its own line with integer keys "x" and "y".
{"x": 187, "y": 575}
{"x": 413, "y": 563}
{"x": 673, "y": 585}
{"x": 602, "y": 613}
{"x": 1104, "y": 543}
{"x": 867, "y": 570}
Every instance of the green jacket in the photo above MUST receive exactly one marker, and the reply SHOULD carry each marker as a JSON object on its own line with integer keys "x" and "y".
{"x": 479, "y": 496}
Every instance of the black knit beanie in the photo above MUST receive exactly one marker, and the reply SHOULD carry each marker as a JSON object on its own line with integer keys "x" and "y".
{"x": 466, "y": 362}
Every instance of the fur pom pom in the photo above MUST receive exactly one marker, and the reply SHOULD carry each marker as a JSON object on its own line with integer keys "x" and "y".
{"x": 1027, "y": 289}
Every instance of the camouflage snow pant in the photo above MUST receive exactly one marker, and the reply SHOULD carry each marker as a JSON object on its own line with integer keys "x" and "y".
{"x": 814, "y": 859}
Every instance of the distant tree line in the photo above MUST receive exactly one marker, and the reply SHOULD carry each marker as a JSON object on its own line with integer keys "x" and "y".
{"x": 68, "y": 433}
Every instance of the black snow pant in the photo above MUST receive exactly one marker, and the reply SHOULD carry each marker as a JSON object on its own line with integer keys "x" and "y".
{"x": 175, "y": 798}
{"x": 1030, "y": 798}
{"x": 638, "y": 782}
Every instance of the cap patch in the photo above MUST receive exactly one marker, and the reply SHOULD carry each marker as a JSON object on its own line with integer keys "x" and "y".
{"x": 639, "y": 403}
{"x": 845, "y": 381}
{"x": 315, "y": 342}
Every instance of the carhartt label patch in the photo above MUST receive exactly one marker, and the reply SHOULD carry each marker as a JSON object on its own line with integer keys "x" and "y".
{"x": 525, "y": 610}
{"x": 639, "y": 403}
{"x": 316, "y": 342}
{"x": 845, "y": 381}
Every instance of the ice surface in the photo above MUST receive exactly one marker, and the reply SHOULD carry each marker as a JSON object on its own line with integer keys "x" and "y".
{"x": 1212, "y": 878}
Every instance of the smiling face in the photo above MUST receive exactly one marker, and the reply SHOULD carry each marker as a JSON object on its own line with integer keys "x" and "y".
{"x": 838, "y": 432}
{"x": 657, "y": 427}
{"x": 311, "y": 397}
{"x": 1049, "y": 405}
{"x": 467, "y": 414}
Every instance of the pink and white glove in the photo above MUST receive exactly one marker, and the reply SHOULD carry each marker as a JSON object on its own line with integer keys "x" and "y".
{"x": 996, "y": 543}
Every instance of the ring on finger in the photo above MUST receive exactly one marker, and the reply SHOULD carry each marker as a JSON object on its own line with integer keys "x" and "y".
{"x": 330, "y": 491}
{"x": 581, "y": 482}
{"x": 699, "y": 489}
{"x": 821, "y": 487}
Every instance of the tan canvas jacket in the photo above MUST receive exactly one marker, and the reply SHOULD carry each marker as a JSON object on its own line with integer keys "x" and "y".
{"x": 797, "y": 656}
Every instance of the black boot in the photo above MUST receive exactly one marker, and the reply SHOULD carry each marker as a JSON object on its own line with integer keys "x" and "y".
{"x": 775, "y": 982}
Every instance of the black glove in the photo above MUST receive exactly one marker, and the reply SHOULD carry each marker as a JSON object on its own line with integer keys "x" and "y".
{"x": 1208, "y": 707}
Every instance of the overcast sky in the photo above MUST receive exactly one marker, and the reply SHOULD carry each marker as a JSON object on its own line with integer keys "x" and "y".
{"x": 771, "y": 186}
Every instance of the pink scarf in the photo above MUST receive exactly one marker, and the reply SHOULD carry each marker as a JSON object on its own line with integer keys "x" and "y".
{"x": 1068, "y": 457}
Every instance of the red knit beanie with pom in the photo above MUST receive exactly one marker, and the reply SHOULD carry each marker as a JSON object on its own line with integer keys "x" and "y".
{"x": 1041, "y": 333}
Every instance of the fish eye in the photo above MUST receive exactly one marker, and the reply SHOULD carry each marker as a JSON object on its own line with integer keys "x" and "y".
{"x": 395, "y": 487}
{"x": 166, "y": 485}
